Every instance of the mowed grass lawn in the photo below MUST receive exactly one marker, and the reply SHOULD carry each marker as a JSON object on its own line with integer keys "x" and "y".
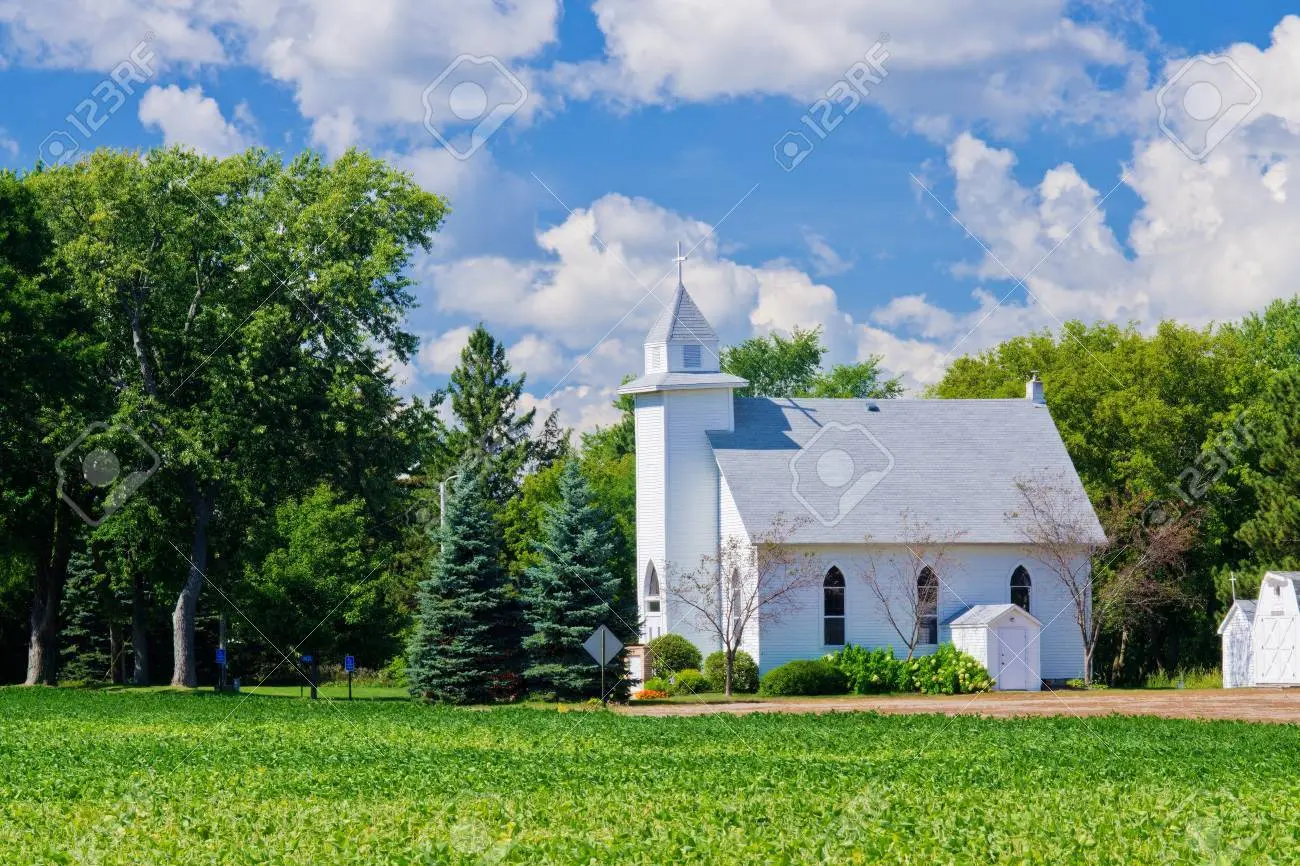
{"x": 158, "y": 777}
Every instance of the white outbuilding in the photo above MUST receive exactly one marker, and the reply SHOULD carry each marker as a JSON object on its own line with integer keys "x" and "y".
{"x": 1261, "y": 639}
{"x": 1005, "y": 639}
{"x": 1276, "y": 634}
{"x": 1235, "y": 631}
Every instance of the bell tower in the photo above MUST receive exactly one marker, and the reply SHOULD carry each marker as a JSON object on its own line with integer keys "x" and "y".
{"x": 682, "y": 395}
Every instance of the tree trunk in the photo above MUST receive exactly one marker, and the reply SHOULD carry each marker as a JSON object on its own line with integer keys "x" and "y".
{"x": 184, "y": 665}
{"x": 1117, "y": 666}
{"x": 139, "y": 629}
{"x": 115, "y": 651}
{"x": 47, "y": 595}
{"x": 730, "y": 656}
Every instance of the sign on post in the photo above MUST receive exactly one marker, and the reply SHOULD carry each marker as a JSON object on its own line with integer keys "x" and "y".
{"x": 603, "y": 646}
{"x": 349, "y": 665}
{"x": 221, "y": 655}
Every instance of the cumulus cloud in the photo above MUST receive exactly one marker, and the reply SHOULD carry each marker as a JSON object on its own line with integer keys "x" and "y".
{"x": 188, "y": 117}
{"x": 1005, "y": 60}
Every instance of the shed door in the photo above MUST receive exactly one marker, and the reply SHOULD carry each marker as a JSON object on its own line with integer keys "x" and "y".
{"x": 1278, "y": 660}
{"x": 1013, "y": 658}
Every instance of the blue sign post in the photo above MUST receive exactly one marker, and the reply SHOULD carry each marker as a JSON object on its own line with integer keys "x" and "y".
{"x": 349, "y": 665}
{"x": 315, "y": 674}
{"x": 221, "y": 663}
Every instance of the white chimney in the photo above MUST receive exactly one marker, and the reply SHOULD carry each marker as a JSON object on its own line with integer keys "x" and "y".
{"x": 1034, "y": 389}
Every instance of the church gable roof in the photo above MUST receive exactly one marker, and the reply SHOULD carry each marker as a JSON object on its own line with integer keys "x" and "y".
{"x": 682, "y": 321}
{"x": 947, "y": 465}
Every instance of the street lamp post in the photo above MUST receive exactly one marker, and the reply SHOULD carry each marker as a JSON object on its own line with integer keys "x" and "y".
{"x": 442, "y": 499}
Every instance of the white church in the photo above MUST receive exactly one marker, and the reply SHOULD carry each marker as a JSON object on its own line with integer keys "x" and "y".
{"x": 714, "y": 471}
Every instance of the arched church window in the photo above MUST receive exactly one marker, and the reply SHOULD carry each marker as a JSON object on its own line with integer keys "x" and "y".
{"x": 927, "y": 607}
{"x": 1020, "y": 584}
{"x": 833, "y": 608}
{"x": 653, "y": 600}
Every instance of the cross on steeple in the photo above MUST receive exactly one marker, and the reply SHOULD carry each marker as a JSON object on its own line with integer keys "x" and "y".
{"x": 1232, "y": 579}
{"x": 680, "y": 259}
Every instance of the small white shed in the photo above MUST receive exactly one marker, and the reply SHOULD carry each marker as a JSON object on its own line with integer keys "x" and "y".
{"x": 1275, "y": 636}
{"x": 1235, "y": 631}
{"x": 1005, "y": 639}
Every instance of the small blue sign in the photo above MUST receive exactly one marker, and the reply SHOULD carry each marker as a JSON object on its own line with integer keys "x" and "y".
{"x": 221, "y": 655}
{"x": 349, "y": 664}
{"x": 306, "y": 660}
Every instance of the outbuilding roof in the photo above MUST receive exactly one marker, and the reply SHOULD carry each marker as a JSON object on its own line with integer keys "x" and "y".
{"x": 1245, "y": 605}
{"x": 987, "y": 614}
{"x": 879, "y": 470}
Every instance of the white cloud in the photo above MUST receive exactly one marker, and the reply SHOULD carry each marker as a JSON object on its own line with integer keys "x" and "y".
{"x": 190, "y": 118}
{"x": 539, "y": 357}
{"x": 7, "y": 143}
{"x": 1005, "y": 60}
{"x": 826, "y": 261}
{"x": 441, "y": 353}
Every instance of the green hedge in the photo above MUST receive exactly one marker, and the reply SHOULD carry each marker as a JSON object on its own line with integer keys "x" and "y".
{"x": 804, "y": 677}
{"x": 946, "y": 671}
{"x": 688, "y": 682}
{"x": 744, "y": 672}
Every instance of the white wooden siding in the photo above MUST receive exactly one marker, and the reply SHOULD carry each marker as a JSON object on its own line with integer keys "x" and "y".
{"x": 975, "y": 574}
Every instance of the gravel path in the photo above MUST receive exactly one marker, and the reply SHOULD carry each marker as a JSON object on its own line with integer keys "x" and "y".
{"x": 1254, "y": 705}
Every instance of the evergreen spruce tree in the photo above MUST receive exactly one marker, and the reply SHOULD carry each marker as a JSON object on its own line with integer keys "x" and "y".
{"x": 465, "y": 648}
{"x": 575, "y": 588}
{"x": 84, "y": 647}
{"x": 489, "y": 425}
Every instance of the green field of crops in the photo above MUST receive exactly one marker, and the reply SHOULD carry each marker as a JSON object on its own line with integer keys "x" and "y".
{"x": 158, "y": 777}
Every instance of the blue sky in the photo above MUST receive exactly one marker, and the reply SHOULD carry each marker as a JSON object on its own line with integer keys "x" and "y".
{"x": 1009, "y": 137}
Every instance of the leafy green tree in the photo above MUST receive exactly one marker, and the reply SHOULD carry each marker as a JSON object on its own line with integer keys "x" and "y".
{"x": 1273, "y": 531}
{"x": 774, "y": 365}
{"x": 778, "y": 366}
{"x": 465, "y": 647}
{"x": 51, "y": 386}
{"x": 321, "y": 581}
{"x": 572, "y": 591}
{"x": 249, "y": 306}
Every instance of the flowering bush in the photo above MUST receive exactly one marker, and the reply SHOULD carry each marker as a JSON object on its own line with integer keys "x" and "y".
{"x": 946, "y": 671}
{"x": 649, "y": 695}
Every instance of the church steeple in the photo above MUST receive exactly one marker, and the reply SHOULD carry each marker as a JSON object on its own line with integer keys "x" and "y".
{"x": 682, "y": 340}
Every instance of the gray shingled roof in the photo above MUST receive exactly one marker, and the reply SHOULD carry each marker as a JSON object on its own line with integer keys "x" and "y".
{"x": 952, "y": 464}
{"x": 1245, "y": 605}
{"x": 682, "y": 320}
{"x": 985, "y": 614}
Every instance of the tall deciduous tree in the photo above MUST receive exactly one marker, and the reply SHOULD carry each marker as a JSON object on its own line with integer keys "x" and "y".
{"x": 465, "y": 647}
{"x": 779, "y": 366}
{"x": 249, "y": 306}
{"x": 1273, "y": 532}
{"x": 574, "y": 588}
{"x": 50, "y": 387}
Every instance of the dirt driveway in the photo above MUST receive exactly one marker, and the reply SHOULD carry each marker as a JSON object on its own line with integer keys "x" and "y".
{"x": 1254, "y": 705}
